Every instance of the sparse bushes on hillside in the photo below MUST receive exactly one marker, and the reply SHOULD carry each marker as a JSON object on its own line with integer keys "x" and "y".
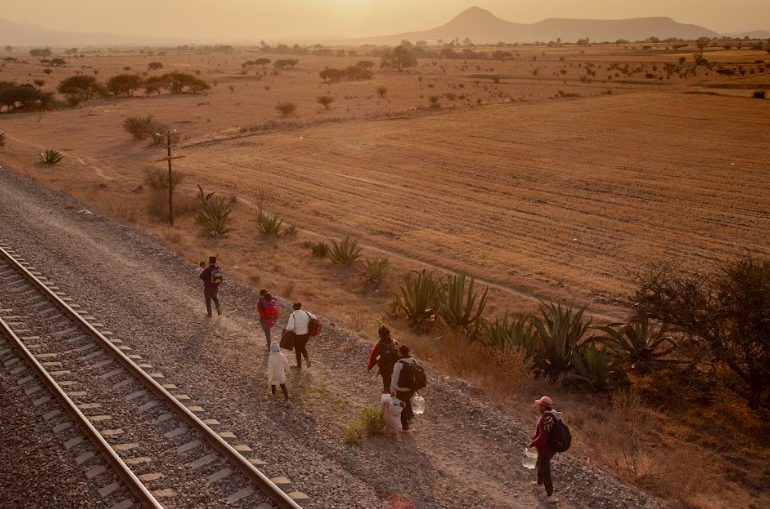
{"x": 375, "y": 272}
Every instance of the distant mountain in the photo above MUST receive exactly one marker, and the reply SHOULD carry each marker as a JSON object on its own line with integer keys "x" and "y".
{"x": 481, "y": 26}
{"x": 24, "y": 34}
{"x": 754, "y": 34}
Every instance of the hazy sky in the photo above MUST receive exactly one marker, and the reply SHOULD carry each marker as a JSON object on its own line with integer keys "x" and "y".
{"x": 265, "y": 19}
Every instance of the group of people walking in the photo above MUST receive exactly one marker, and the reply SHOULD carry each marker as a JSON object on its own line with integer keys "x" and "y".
{"x": 402, "y": 376}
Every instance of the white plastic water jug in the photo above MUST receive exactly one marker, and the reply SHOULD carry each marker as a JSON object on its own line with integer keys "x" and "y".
{"x": 418, "y": 404}
{"x": 396, "y": 406}
{"x": 529, "y": 458}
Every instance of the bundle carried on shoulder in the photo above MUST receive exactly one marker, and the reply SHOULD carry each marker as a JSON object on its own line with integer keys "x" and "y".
{"x": 271, "y": 309}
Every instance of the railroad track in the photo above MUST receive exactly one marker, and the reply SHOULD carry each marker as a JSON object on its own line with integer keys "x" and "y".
{"x": 162, "y": 453}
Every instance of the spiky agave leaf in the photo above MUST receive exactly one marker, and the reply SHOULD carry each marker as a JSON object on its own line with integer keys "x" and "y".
{"x": 458, "y": 307}
{"x": 597, "y": 370}
{"x": 561, "y": 331}
{"x": 641, "y": 341}
{"x": 51, "y": 156}
{"x": 269, "y": 226}
{"x": 345, "y": 252}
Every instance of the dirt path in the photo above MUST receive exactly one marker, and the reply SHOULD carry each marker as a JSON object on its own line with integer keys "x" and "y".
{"x": 463, "y": 453}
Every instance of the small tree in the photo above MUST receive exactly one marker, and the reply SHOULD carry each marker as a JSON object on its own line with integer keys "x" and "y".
{"x": 325, "y": 101}
{"x": 124, "y": 84}
{"x": 154, "y": 66}
{"x": 381, "y": 91}
{"x": 398, "y": 58}
{"x": 82, "y": 86}
{"x": 262, "y": 62}
{"x": 727, "y": 311}
{"x": 702, "y": 43}
{"x": 286, "y": 108}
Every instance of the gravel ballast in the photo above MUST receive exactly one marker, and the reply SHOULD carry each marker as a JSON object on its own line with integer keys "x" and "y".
{"x": 463, "y": 453}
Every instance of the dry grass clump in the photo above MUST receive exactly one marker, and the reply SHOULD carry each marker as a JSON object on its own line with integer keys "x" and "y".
{"x": 157, "y": 181}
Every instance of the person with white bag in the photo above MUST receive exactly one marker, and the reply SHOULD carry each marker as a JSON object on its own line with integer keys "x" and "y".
{"x": 408, "y": 378}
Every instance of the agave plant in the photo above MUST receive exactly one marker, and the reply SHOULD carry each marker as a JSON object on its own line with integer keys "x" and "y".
{"x": 518, "y": 332}
{"x": 320, "y": 249}
{"x": 561, "y": 331}
{"x": 51, "y": 156}
{"x": 642, "y": 341}
{"x": 290, "y": 230}
{"x": 375, "y": 271}
{"x": 458, "y": 304}
{"x": 344, "y": 252}
{"x": 2, "y": 139}
{"x": 420, "y": 298}
{"x": 269, "y": 226}
{"x": 213, "y": 214}
{"x": 596, "y": 370}
{"x": 760, "y": 94}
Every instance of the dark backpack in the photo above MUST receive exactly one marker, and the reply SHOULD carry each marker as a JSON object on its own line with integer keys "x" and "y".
{"x": 560, "y": 437}
{"x": 216, "y": 276}
{"x": 313, "y": 326}
{"x": 388, "y": 356}
{"x": 412, "y": 376}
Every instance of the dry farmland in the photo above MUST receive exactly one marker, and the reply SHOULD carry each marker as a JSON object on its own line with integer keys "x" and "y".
{"x": 553, "y": 186}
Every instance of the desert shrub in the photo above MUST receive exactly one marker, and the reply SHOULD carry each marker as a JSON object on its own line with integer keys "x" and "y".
{"x": 375, "y": 272}
{"x": 142, "y": 128}
{"x": 458, "y": 307}
{"x": 421, "y": 295}
{"x": 2, "y": 139}
{"x": 285, "y": 63}
{"x": 41, "y": 52}
{"x": 124, "y": 84}
{"x": 399, "y": 58}
{"x": 176, "y": 82}
{"x": 561, "y": 331}
{"x": 269, "y": 226}
{"x": 38, "y": 83}
{"x": 325, "y": 101}
{"x": 86, "y": 87}
{"x": 157, "y": 180}
{"x": 50, "y": 156}
{"x": 286, "y": 108}
{"x": 760, "y": 94}
{"x": 344, "y": 252}
{"x": 290, "y": 231}
{"x": 365, "y": 64}
{"x": 154, "y": 66}
{"x": 595, "y": 369}
{"x": 368, "y": 425}
{"x": 213, "y": 214}
{"x": 727, "y": 311}
{"x": 22, "y": 97}
{"x": 641, "y": 341}
{"x": 434, "y": 101}
{"x": 514, "y": 332}
{"x": 381, "y": 91}
{"x": 320, "y": 249}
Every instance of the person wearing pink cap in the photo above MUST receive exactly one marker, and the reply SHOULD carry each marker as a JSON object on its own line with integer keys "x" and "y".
{"x": 546, "y": 423}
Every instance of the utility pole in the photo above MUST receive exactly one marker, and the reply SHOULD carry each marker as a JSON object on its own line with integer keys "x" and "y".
{"x": 169, "y": 158}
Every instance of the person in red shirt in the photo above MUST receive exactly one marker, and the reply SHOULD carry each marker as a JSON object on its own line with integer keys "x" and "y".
{"x": 545, "y": 452}
{"x": 384, "y": 355}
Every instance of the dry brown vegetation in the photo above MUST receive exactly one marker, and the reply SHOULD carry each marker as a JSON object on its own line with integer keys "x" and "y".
{"x": 552, "y": 174}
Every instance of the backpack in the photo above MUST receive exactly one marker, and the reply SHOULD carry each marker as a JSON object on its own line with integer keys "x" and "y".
{"x": 560, "y": 437}
{"x": 412, "y": 376}
{"x": 388, "y": 356}
{"x": 271, "y": 308}
{"x": 216, "y": 276}
{"x": 313, "y": 326}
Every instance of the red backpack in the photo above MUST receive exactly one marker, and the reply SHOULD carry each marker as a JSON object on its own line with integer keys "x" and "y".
{"x": 313, "y": 326}
{"x": 271, "y": 308}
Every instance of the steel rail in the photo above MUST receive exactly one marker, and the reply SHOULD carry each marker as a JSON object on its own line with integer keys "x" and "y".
{"x": 269, "y": 488}
{"x": 109, "y": 454}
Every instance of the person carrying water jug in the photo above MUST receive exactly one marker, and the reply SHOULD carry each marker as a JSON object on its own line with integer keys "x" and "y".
{"x": 541, "y": 441}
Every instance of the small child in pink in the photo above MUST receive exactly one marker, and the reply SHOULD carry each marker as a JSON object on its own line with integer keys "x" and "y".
{"x": 201, "y": 268}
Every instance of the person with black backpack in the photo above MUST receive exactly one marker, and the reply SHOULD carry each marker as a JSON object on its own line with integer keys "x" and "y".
{"x": 384, "y": 355}
{"x": 408, "y": 378}
{"x": 212, "y": 278}
{"x": 551, "y": 436}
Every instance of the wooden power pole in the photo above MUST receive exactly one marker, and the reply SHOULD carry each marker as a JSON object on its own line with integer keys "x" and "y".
{"x": 170, "y": 158}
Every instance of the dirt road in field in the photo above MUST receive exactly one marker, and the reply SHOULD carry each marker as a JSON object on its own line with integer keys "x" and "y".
{"x": 462, "y": 454}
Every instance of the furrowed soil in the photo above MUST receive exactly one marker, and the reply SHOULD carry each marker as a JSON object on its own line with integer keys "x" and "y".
{"x": 555, "y": 186}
